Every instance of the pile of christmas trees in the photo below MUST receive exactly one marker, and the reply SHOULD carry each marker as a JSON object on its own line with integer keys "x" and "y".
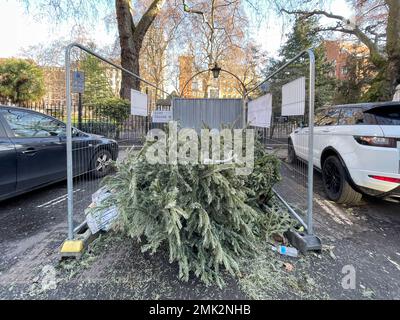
{"x": 207, "y": 216}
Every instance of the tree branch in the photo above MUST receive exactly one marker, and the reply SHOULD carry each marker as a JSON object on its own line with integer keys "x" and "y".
{"x": 377, "y": 57}
{"x": 309, "y": 14}
{"x": 147, "y": 19}
{"x": 187, "y": 9}
{"x": 125, "y": 23}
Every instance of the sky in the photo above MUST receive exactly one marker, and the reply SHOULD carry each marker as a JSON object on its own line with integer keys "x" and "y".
{"x": 19, "y": 30}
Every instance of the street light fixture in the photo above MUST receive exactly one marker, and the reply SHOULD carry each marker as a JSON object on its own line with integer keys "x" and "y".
{"x": 216, "y": 71}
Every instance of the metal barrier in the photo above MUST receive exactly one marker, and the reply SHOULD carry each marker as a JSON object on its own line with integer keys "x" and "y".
{"x": 194, "y": 113}
{"x": 297, "y": 176}
{"x": 86, "y": 155}
{"x": 77, "y": 154}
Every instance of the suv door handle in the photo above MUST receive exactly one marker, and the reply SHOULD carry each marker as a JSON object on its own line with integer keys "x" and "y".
{"x": 326, "y": 130}
{"x": 29, "y": 151}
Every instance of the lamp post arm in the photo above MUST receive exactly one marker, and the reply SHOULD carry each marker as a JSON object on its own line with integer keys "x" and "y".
{"x": 223, "y": 70}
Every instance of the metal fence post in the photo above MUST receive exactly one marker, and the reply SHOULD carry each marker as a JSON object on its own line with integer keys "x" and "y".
{"x": 80, "y": 111}
{"x": 172, "y": 104}
{"x": 69, "y": 144}
{"x": 304, "y": 241}
{"x": 310, "y": 189}
{"x": 244, "y": 123}
{"x": 70, "y": 171}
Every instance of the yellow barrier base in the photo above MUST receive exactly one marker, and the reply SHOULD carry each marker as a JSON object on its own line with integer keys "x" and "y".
{"x": 72, "y": 248}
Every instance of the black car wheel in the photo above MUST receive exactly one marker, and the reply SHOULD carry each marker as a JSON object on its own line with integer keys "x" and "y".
{"x": 101, "y": 163}
{"x": 335, "y": 181}
{"x": 292, "y": 158}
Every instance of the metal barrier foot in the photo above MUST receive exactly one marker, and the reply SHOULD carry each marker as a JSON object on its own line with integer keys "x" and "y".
{"x": 304, "y": 242}
{"x": 72, "y": 249}
{"x": 76, "y": 247}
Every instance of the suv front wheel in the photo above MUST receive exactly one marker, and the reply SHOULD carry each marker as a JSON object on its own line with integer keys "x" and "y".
{"x": 335, "y": 182}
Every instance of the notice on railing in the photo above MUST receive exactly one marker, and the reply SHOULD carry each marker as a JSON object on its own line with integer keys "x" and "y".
{"x": 138, "y": 103}
{"x": 260, "y": 111}
{"x": 162, "y": 116}
{"x": 294, "y": 97}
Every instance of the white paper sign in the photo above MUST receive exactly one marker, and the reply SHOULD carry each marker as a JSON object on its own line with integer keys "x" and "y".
{"x": 294, "y": 97}
{"x": 162, "y": 116}
{"x": 260, "y": 111}
{"x": 138, "y": 103}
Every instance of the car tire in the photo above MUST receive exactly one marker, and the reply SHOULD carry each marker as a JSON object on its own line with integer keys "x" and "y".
{"x": 292, "y": 157}
{"x": 336, "y": 183}
{"x": 101, "y": 164}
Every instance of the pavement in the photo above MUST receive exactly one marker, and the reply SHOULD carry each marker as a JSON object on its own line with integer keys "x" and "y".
{"x": 364, "y": 239}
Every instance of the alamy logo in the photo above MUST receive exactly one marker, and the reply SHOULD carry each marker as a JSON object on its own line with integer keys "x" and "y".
{"x": 212, "y": 147}
{"x": 349, "y": 280}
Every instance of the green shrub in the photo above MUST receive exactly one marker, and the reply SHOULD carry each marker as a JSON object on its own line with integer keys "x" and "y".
{"x": 21, "y": 81}
{"x": 113, "y": 110}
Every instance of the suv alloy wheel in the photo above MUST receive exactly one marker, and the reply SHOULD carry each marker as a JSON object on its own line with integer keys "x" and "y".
{"x": 335, "y": 182}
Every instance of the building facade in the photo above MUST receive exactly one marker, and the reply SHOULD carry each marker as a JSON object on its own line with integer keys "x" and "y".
{"x": 339, "y": 52}
{"x": 204, "y": 85}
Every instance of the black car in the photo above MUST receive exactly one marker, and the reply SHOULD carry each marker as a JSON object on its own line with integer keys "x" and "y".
{"x": 33, "y": 151}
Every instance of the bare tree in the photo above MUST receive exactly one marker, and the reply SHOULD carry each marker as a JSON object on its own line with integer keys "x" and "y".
{"x": 216, "y": 33}
{"x": 222, "y": 24}
{"x": 161, "y": 36}
{"x": 46, "y": 55}
{"x": 131, "y": 34}
{"x": 131, "y": 38}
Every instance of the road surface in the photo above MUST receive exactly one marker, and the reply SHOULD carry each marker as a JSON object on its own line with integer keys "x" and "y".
{"x": 33, "y": 226}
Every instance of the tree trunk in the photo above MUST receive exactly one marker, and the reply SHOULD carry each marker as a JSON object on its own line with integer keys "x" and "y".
{"x": 128, "y": 53}
{"x": 131, "y": 40}
{"x": 393, "y": 46}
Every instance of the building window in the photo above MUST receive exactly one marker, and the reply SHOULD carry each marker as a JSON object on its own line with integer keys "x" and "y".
{"x": 213, "y": 92}
{"x": 195, "y": 85}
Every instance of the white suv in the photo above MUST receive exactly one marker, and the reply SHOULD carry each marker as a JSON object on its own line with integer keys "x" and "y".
{"x": 357, "y": 148}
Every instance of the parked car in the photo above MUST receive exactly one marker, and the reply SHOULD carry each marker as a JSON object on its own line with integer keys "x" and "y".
{"x": 357, "y": 148}
{"x": 33, "y": 151}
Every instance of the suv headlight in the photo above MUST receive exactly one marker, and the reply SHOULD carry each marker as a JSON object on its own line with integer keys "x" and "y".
{"x": 377, "y": 141}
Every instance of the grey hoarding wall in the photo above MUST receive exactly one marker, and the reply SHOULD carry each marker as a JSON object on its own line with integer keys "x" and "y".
{"x": 193, "y": 113}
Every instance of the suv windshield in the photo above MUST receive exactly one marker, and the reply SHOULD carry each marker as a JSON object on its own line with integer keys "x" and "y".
{"x": 387, "y": 116}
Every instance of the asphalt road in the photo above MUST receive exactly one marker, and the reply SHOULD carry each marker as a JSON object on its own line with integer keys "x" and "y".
{"x": 366, "y": 237}
{"x": 33, "y": 226}
{"x": 40, "y": 210}
{"x": 31, "y": 220}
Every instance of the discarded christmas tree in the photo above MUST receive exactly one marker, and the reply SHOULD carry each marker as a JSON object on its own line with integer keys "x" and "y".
{"x": 207, "y": 216}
